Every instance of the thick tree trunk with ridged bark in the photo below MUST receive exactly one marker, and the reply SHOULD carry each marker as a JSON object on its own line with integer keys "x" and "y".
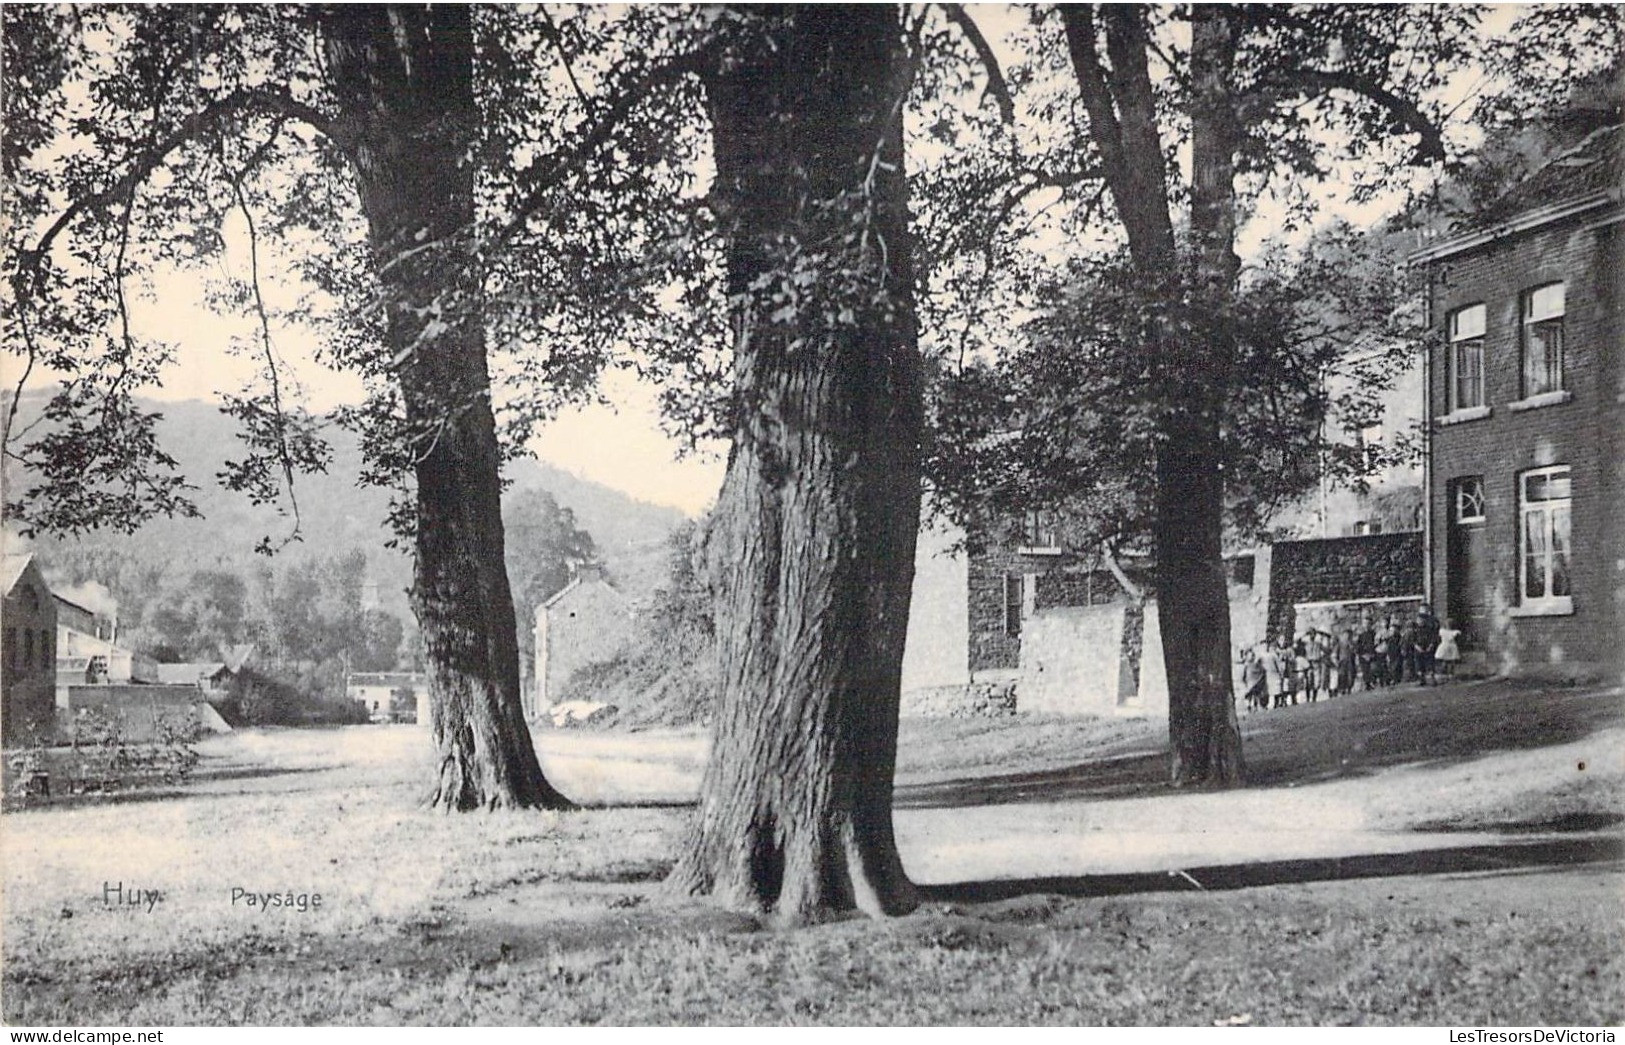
{"x": 1191, "y": 360}
{"x": 819, "y": 511}
{"x": 403, "y": 77}
{"x": 1205, "y": 736}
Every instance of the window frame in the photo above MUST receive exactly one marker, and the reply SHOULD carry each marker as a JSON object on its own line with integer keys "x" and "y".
{"x": 1528, "y": 325}
{"x": 1458, "y": 342}
{"x": 1459, "y": 486}
{"x": 1040, "y": 532}
{"x": 1549, "y": 509}
{"x": 1012, "y": 609}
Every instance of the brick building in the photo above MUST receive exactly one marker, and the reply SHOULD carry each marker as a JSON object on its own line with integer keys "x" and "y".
{"x": 28, "y": 667}
{"x": 1526, "y": 412}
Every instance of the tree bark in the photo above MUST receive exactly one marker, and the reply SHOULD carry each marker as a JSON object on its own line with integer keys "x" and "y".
{"x": 1191, "y": 359}
{"x": 820, "y": 508}
{"x": 403, "y": 78}
{"x": 1195, "y": 608}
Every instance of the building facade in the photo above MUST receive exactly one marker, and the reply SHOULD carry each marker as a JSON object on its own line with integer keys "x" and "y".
{"x": 378, "y": 690}
{"x": 1526, "y": 404}
{"x": 28, "y": 663}
{"x": 587, "y": 622}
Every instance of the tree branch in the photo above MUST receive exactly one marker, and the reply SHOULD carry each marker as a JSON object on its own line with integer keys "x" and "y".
{"x": 270, "y": 100}
{"x": 552, "y": 32}
{"x": 1079, "y": 21}
{"x": 284, "y": 455}
{"x": 996, "y": 85}
{"x": 1312, "y": 82}
{"x": 1108, "y": 555}
{"x": 544, "y": 177}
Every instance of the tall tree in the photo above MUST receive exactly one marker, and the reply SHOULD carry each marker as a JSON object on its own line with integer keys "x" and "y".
{"x": 403, "y": 80}
{"x": 478, "y": 182}
{"x": 816, "y": 524}
{"x": 1249, "y": 75}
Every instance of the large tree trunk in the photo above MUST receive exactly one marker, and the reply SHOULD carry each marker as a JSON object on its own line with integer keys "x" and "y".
{"x": 1191, "y": 360}
{"x": 1195, "y": 608}
{"x": 820, "y": 508}
{"x": 404, "y": 80}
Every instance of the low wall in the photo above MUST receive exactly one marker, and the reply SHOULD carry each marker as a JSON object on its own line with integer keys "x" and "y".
{"x": 137, "y": 708}
{"x": 1070, "y": 661}
{"x": 969, "y": 700}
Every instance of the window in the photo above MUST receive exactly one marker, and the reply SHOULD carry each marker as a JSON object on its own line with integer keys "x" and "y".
{"x": 1370, "y": 443}
{"x": 11, "y": 648}
{"x": 1367, "y": 527}
{"x": 1467, "y": 357}
{"x": 1038, "y": 530}
{"x": 28, "y": 650}
{"x": 1012, "y": 604}
{"x": 1543, "y": 538}
{"x": 1543, "y": 340}
{"x": 1470, "y": 499}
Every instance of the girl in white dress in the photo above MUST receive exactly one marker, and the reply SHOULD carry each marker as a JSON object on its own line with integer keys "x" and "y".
{"x": 1448, "y": 652}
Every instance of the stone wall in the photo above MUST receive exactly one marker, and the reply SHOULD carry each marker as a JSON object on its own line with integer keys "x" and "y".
{"x": 1071, "y": 661}
{"x": 1386, "y": 566}
{"x": 970, "y": 700}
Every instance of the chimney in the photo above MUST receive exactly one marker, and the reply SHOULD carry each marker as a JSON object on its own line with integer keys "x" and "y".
{"x": 589, "y": 572}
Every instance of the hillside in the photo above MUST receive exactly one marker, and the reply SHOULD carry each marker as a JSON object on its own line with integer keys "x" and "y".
{"x": 338, "y": 515}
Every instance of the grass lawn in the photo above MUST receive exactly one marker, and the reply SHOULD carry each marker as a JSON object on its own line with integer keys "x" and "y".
{"x": 1412, "y": 857}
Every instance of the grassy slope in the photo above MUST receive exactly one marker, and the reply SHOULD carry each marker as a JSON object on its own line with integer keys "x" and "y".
{"x": 536, "y": 918}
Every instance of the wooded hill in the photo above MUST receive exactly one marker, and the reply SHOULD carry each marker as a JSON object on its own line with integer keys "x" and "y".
{"x": 337, "y": 514}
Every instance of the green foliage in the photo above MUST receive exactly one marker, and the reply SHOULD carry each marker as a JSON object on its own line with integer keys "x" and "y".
{"x": 135, "y": 137}
{"x": 1069, "y": 421}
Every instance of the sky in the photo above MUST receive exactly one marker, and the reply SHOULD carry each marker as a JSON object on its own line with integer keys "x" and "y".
{"x": 620, "y": 444}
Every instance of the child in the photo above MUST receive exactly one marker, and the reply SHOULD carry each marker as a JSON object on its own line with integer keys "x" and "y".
{"x": 1278, "y": 670}
{"x": 1252, "y": 680}
{"x": 1448, "y": 652}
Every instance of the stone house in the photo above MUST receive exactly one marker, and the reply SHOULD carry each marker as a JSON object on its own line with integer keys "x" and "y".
{"x": 28, "y": 661}
{"x": 1055, "y": 621}
{"x": 586, "y": 622}
{"x": 376, "y": 691}
{"x": 1526, "y": 412}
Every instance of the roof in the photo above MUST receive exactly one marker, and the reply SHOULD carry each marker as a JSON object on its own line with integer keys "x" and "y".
{"x": 189, "y": 672}
{"x": 16, "y": 563}
{"x": 384, "y": 678}
{"x": 1579, "y": 180}
{"x": 1593, "y": 166}
{"x": 581, "y": 580}
{"x": 81, "y": 607}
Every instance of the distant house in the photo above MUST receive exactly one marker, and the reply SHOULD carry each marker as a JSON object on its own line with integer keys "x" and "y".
{"x": 377, "y": 689}
{"x": 587, "y": 622}
{"x": 88, "y": 651}
{"x": 1392, "y": 495}
{"x": 211, "y": 677}
{"x": 1526, "y": 404}
{"x": 28, "y": 667}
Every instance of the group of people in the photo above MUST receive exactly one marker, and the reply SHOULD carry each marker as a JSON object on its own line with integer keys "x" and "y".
{"x": 1330, "y": 663}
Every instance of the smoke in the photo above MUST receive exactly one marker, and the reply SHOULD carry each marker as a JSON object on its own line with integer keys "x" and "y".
{"x": 92, "y": 595}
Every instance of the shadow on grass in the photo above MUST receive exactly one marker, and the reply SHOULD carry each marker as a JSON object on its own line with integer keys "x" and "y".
{"x": 1352, "y": 736}
{"x": 1511, "y": 857}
